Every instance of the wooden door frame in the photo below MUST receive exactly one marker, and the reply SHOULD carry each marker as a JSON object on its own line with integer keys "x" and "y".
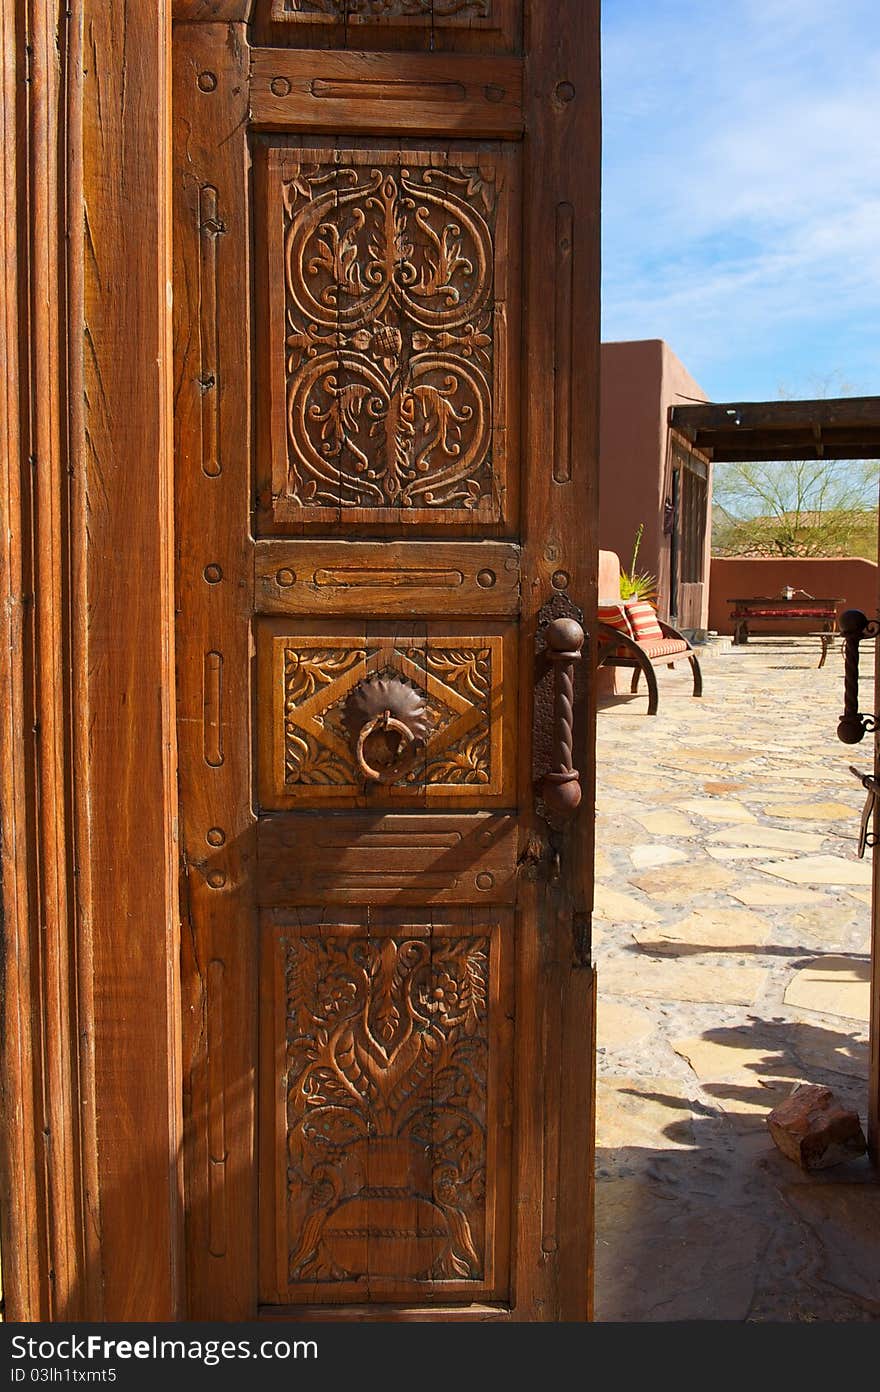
{"x": 91, "y": 1197}
{"x": 91, "y": 1193}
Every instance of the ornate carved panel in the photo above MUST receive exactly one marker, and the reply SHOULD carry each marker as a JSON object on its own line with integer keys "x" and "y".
{"x": 390, "y": 349}
{"x": 385, "y": 1173}
{"x": 323, "y": 700}
{"x": 418, "y": 11}
{"x": 457, "y": 25}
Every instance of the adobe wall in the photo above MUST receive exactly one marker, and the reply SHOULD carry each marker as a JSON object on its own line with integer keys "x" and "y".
{"x": 732, "y": 577}
{"x": 632, "y": 444}
{"x": 640, "y": 380}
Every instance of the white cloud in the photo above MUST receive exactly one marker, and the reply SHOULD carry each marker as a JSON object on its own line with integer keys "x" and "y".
{"x": 742, "y": 179}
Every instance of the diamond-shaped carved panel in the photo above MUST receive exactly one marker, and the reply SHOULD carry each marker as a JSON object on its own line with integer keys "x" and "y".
{"x": 446, "y": 693}
{"x": 391, "y": 352}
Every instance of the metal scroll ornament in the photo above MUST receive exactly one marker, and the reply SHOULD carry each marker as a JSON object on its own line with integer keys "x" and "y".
{"x": 387, "y": 722}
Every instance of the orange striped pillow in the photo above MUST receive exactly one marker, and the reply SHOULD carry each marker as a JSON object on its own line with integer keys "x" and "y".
{"x": 615, "y": 616}
{"x": 643, "y": 618}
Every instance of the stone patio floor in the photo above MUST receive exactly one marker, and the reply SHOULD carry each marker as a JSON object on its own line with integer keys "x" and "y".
{"x": 732, "y": 939}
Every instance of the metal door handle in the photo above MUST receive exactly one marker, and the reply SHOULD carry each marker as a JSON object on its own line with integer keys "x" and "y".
{"x": 855, "y": 627}
{"x": 872, "y": 788}
{"x": 561, "y": 786}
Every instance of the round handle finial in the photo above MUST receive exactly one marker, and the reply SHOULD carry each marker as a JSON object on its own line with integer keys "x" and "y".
{"x": 852, "y": 623}
{"x": 565, "y": 635}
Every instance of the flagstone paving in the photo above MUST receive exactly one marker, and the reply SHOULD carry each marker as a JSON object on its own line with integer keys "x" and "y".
{"x": 733, "y": 955}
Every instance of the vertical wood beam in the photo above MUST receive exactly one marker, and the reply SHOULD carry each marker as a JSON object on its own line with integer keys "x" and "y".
{"x": 23, "y": 1214}
{"x": 41, "y": 1135}
{"x": 90, "y": 1100}
{"x": 125, "y": 644}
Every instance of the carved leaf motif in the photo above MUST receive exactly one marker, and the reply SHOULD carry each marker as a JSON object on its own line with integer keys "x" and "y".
{"x": 464, "y": 669}
{"x": 467, "y": 761}
{"x": 337, "y": 253}
{"x": 306, "y": 761}
{"x": 306, "y": 668}
{"x": 438, "y": 271}
{"x": 472, "y": 339}
{"x": 474, "y": 991}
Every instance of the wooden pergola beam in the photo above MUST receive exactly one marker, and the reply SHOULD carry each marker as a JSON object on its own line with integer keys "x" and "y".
{"x": 825, "y": 428}
{"x": 746, "y": 453}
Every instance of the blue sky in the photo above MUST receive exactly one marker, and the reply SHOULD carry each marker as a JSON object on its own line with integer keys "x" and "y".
{"x": 741, "y": 190}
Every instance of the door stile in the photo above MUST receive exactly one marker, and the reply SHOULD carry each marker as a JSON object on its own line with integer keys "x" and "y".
{"x": 559, "y": 535}
{"x": 214, "y": 585}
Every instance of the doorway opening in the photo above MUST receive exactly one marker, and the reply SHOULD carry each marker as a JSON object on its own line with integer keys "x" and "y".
{"x": 736, "y": 948}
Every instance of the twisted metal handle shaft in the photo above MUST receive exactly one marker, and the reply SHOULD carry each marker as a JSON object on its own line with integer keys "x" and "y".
{"x": 561, "y": 787}
{"x": 855, "y": 628}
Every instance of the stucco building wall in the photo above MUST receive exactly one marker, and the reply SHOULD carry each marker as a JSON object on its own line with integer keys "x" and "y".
{"x": 734, "y": 577}
{"x": 640, "y": 380}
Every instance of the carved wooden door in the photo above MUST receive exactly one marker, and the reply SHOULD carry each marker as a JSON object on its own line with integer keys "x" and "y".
{"x": 386, "y": 336}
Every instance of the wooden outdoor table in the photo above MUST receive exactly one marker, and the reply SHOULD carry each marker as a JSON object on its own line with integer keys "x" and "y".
{"x": 823, "y": 611}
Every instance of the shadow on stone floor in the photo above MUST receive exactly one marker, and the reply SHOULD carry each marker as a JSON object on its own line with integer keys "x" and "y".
{"x": 648, "y": 947}
{"x": 712, "y": 1222}
{"x": 702, "y": 811}
{"x": 748, "y": 1237}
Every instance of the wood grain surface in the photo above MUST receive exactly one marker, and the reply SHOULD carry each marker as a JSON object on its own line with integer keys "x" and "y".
{"x": 299, "y": 994}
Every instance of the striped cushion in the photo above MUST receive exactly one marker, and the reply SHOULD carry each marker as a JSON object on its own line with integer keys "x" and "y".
{"x": 643, "y": 619}
{"x": 615, "y": 616}
{"x": 664, "y": 647}
{"x": 653, "y": 648}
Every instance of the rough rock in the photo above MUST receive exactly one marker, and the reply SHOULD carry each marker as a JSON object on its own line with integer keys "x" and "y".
{"x": 814, "y": 1130}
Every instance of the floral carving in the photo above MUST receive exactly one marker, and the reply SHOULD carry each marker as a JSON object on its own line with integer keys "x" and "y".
{"x": 466, "y": 761}
{"x": 389, "y": 344}
{"x": 309, "y": 762}
{"x": 306, "y": 669}
{"x": 387, "y": 1065}
{"x": 466, "y": 669}
{"x": 451, "y": 686}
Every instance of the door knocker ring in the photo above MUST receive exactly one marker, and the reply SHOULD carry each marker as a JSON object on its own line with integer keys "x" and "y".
{"x": 387, "y": 704}
{"x": 384, "y": 721}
